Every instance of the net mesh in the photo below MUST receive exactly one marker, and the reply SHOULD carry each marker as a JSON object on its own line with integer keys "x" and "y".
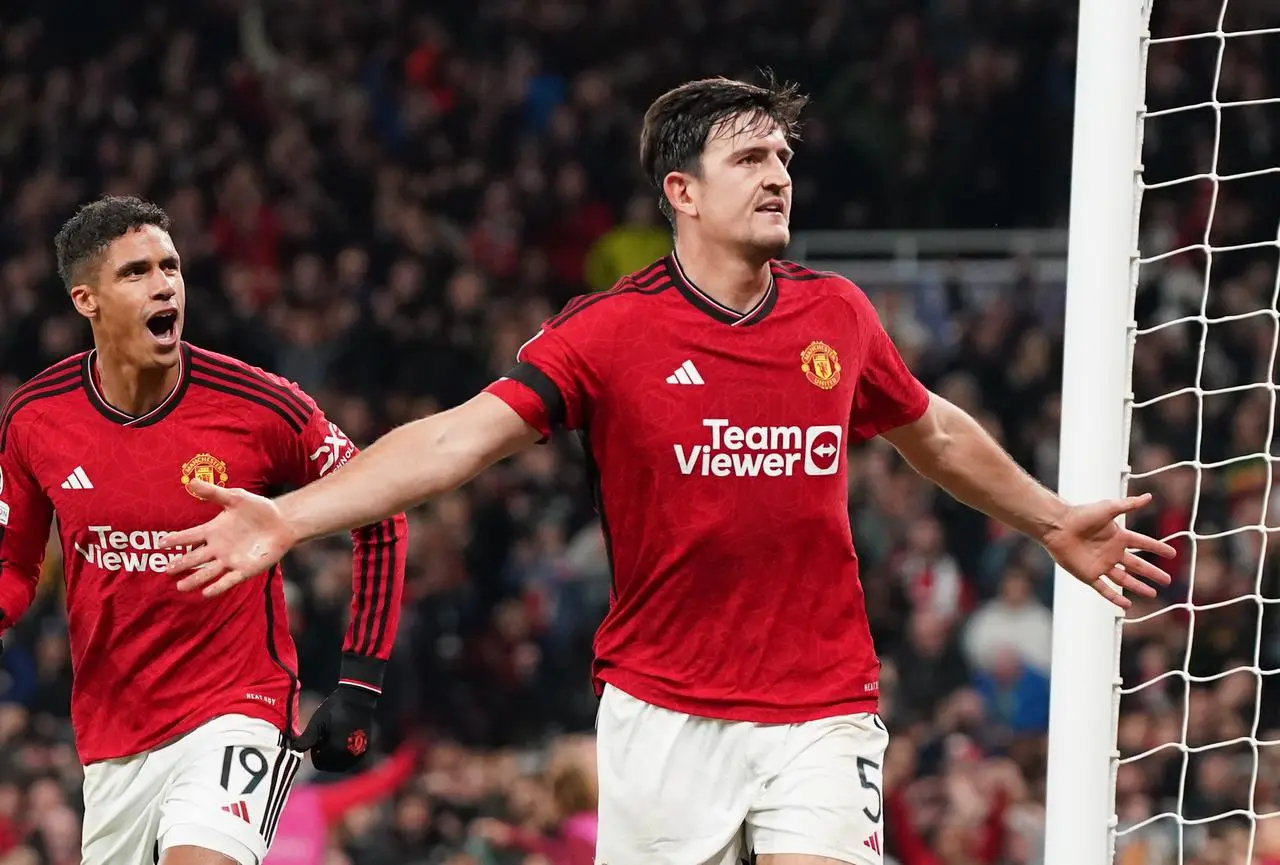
{"x": 1197, "y": 770}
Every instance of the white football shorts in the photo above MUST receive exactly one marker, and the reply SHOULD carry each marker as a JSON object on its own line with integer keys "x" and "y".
{"x": 221, "y": 787}
{"x": 677, "y": 789}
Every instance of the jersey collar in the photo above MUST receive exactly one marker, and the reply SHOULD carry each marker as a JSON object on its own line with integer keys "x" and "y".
{"x": 709, "y": 305}
{"x": 89, "y": 377}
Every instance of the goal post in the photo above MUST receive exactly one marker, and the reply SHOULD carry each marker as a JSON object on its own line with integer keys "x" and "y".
{"x": 1098, "y": 339}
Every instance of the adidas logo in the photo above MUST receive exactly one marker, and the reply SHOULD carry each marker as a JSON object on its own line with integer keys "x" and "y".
{"x": 873, "y": 842}
{"x": 238, "y": 809}
{"x": 686, "y": 373}
{"x": 77, "y": 480}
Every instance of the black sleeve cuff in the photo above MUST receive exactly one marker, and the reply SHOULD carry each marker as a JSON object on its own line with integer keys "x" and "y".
{"x": 541, "y": 384}
{"x": 362, "y": 671}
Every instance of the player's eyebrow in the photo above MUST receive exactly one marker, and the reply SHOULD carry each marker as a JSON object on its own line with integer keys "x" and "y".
{"x": 785, "y": 153}
{"x": 140, "y": 266}
{"x": 133, "y": 268}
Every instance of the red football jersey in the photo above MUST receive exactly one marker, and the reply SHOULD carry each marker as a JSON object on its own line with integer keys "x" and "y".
{"x": 150, "y": 662}
{"x": 717, "y": 441}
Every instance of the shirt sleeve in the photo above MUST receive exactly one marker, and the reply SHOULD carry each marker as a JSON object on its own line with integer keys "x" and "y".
{"x": 559, "y": 373}
{"x": 887, "y": 395}
{"x": 378, "y": 554}
{"x": 25, "y": 516}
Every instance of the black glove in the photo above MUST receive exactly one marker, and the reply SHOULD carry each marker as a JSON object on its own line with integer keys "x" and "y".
{"x": 339, "y": 731}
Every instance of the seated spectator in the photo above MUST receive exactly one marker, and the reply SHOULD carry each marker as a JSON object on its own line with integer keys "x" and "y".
{"x": 1014, "y": 620}
{"x": 1016, "y": 695}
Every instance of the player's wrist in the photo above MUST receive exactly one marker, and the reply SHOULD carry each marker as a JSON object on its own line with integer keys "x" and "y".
{"x": 362, "y": 673}
{"x": 1051, "y": 522}
{"x": 291, "y": 528}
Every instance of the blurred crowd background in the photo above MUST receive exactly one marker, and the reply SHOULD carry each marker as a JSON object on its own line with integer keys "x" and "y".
{"x": 382, "y": 200}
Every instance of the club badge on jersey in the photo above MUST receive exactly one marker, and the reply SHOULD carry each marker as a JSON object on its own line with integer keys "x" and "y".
{"x": 204, "y": 467}
{"x": 821, "y": 365}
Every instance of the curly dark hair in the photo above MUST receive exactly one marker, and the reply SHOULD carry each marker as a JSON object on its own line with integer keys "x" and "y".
{"x": 84, "y": 237}
{"x": 677, "y": 124}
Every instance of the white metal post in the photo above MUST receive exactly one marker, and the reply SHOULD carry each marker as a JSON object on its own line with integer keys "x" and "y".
{"x": 1080, "y": 802}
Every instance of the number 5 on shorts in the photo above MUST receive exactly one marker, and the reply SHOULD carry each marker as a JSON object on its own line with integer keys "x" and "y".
{"x": 867, "y": 783}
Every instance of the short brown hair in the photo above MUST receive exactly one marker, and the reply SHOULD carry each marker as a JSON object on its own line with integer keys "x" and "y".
{"x": 677, "y": 124}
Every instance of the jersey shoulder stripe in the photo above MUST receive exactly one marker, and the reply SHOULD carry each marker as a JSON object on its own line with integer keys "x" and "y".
{"x": 249, "y": 384}
{"x": 649, "y": 281}
{"x": 272, "y": 383}
{"x": 783, "y": 269}
{"x": 225, "y": 388}
{"x": 58, "y": 373}
{"x": 61, "y": 378}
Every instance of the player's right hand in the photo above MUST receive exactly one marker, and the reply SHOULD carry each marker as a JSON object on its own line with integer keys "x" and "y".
{"x": 249, "y": 536}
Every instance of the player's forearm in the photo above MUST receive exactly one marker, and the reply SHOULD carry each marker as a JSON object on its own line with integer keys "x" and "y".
{"x": 405, "y": 467}
{"x": 17, "y": 591}
{"x": 378, "y": 563}
{"x": 952, "y": 449}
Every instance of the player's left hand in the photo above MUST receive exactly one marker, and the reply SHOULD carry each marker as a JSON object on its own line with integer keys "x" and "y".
{"x": 1090, "y": 545}
{"x": 338, "y": 734}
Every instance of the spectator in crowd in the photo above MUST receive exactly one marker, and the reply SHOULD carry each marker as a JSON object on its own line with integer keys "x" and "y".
{"x": 1013, "y": 621}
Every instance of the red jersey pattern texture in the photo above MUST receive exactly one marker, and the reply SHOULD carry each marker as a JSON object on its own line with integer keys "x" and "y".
{"x": 717, "y": 443}
{"x": 150, "y": 662}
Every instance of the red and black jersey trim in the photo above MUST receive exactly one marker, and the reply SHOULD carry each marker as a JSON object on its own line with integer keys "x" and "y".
{"x": 546, "y": 389}
{"x": 61, "y": 378}
{"x": 376, "y": 590}
{"x": 213, "y": 373}
{"x": 596, "y": 487}
{"x": 652, "y": 280}
{"x": 157, "y": 414}
{"x": 274, "y": 653}
{"x": 709, "y": 305}
{"x": 798, "y": 272}
{"x": 361, "y": 671}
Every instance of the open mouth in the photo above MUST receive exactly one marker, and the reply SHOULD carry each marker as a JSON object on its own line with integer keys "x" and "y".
{"x": 771, "y": 207}
{"x": 164, "y": 326}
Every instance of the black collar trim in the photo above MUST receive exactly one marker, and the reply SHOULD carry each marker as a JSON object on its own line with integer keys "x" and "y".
{"x": 707, "y": 304}
{"x": 157, "y": 414}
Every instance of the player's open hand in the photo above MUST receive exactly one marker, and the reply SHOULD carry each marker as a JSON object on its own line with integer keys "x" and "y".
{"x": 1090, "y": 544}
{"x": 244, "y": 540}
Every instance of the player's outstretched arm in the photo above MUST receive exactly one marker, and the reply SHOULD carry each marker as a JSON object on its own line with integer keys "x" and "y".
{"x": 25, "y": 516}
{"x": 950, "y": 448}
{"x": 405, "y": 467}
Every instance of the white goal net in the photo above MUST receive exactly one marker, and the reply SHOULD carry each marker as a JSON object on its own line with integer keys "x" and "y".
{"x": 1196, "y": 773}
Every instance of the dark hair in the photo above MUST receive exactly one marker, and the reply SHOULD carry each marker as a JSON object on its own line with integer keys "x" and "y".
{"x": 677, "y": 124}
{"x": 84, "y": 237}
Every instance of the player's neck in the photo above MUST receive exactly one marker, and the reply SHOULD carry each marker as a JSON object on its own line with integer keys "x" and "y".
{"x": 727, "y": 278}
{"x": 130, "y": 389}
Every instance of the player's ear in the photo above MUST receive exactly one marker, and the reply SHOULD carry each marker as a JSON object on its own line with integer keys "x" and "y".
{"x": 679, "y": 188}
{"x": 85, "y": 300}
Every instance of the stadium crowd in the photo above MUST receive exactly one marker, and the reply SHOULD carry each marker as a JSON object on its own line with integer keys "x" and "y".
{"x": 382, "y": 203}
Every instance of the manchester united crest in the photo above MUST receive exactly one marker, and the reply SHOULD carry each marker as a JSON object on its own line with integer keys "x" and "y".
{"x": 821, "y": 365}
{"x": 204, "y": 467}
